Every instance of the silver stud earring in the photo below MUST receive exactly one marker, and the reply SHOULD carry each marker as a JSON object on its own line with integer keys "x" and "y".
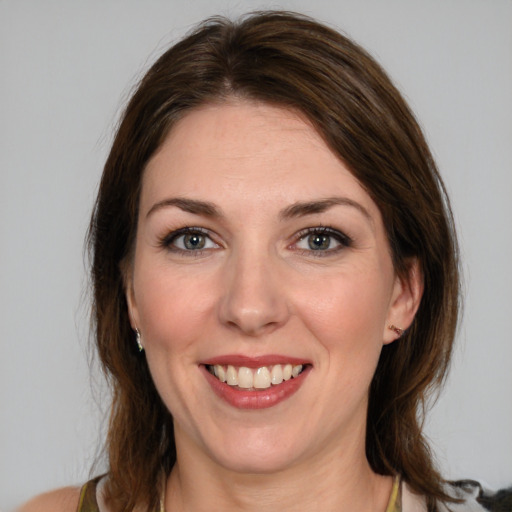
{"x": 139, "y": 340}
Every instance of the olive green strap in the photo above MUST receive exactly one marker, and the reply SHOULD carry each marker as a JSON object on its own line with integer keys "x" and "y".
{"x": 87, "y": 502}
{"x": 395, "y": 500}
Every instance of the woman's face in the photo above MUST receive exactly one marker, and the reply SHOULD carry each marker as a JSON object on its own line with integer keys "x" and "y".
{"x": 258, "y": 254}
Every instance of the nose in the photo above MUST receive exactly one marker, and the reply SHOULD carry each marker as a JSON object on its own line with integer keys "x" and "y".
{"x": 254, "y": 299}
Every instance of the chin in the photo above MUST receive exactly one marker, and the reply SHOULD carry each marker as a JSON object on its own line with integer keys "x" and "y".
{"x": 256, "y": 456}
{"x": 250, "y": 463}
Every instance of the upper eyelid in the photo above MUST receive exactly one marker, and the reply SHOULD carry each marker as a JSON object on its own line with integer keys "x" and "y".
{"x": 341, "y": 236}
{"x": 323, "y": 230}
{"x": 343, "y": 242}
{"x": 176, "y": 233}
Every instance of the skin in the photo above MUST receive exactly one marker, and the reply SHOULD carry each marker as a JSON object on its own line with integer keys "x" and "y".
{"x": 59, "y": 500}
{"x": 257, "y": 288}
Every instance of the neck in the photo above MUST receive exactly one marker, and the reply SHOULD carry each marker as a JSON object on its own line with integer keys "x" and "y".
{"x": 329, "y": 481}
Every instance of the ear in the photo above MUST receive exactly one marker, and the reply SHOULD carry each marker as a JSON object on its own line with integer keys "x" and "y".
{"x": 127, "y": 273}
{"x": 405, "y": 301}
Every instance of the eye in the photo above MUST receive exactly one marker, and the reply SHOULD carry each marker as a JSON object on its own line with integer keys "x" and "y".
{"x": 189, "y": 240}
{"x": 322, "y": 240}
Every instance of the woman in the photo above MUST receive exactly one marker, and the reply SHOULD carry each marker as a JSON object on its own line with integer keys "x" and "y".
{"x": 275, "y": 282}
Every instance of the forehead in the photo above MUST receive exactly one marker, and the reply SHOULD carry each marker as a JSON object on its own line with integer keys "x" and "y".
{"x": 238, "y": 130}
{"x": 253, "y": 151}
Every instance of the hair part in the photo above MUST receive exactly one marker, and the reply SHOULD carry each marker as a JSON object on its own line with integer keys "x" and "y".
{"x": 288, "y": 60}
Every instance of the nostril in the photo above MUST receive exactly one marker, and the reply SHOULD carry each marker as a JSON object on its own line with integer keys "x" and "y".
{"x": 253, "y": 321}
{"x": 252, "y": 328}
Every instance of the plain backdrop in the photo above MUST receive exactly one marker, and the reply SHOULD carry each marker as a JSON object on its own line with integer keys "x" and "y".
{"x": 66, "y": 69}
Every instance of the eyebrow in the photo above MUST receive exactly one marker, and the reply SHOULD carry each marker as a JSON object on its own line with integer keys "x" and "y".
{"x": 302, "y": 209}
{"x": 204, "y": 208}
{"x": 298, "y": 209}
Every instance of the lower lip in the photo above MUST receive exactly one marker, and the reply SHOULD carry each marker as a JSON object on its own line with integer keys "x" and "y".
{"x": 257, "y": 399}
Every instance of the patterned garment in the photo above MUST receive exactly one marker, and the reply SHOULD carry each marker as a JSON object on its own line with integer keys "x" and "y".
{"x": 475, "y": 499}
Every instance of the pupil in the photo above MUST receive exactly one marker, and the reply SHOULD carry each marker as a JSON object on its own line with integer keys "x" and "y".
{"x": 317, "y": 242}
{"x": 194, "y": 241}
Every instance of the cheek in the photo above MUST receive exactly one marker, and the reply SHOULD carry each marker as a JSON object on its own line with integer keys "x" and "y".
{"x": 345, "y": 312}
{"x": 174, "y": 311}
{"x": 172, "y": 306}
{"x": 349, "y": 325}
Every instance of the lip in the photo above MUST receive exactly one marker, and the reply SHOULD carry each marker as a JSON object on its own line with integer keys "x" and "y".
{"x": 254, "y": 362}
{"x": 260, "y": 398}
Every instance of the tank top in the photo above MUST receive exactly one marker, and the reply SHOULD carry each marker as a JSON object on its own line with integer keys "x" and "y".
{"x": 89, "y": 503}
{"x": 472, "y": 496}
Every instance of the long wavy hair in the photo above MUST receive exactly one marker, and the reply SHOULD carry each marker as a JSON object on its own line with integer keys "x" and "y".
{"x": 289, "y": 60}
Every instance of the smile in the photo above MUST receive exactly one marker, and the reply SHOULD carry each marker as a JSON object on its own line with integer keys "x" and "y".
{"x": 247, "y": 379}
{"x": 255, "y": 382}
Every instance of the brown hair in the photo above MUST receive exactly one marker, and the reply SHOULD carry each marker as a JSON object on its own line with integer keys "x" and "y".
{"x": 289, "y": 60}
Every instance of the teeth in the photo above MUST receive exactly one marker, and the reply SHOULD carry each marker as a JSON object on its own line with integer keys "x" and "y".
{"x": 260, "y": 378}
{"x": 277, "y": 374}
{"x": 232, "y": 376}
{"x": 220, "y": 373}
{"x": 245, "y": 378}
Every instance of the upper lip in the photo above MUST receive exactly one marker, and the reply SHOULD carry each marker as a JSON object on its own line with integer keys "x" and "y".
{"x": 253, "y": 362}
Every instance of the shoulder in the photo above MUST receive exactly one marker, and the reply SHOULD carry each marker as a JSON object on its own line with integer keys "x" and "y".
{"x": 60, "y": 500}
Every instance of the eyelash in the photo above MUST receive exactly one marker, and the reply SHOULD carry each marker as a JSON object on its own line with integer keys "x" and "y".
{"x": 170, "y": 239}
{"x": 343, "y": 240}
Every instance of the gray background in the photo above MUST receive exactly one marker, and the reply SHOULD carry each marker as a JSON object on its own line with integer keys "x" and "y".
{"x": 67, "y": 67}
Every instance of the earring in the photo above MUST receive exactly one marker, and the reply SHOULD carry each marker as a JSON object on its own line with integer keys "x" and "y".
{"x": 139, "y": 340}
{"x": 396, "y": 329}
